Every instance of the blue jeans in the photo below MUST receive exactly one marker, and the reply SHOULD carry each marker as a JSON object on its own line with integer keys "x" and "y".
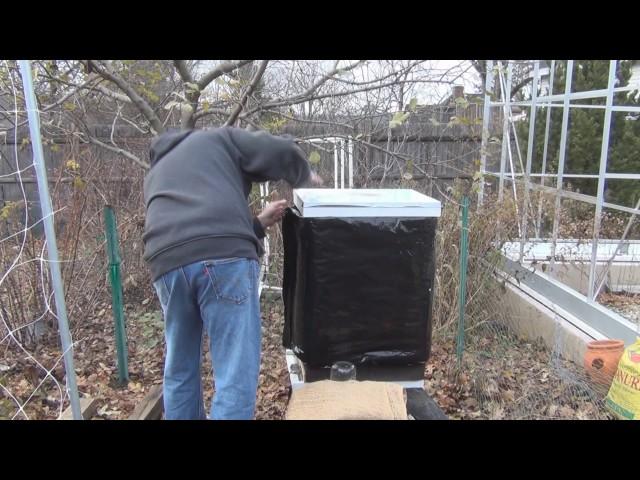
{"x": 221, "y": 297}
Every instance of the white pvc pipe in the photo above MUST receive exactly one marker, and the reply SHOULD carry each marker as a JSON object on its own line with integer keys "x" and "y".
{"x": 335, "y": 165}
{"x": 350, "y": 143}
{"x": 342, "y": 154}
{"x": 52, "y": 247}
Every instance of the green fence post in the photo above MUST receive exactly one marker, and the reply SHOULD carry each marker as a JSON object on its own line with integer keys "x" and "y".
{"x": 464, "y": 245}
{"x": 116, "y": 293}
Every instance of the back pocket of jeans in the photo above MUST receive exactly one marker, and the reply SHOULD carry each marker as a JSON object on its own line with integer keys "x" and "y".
{"x": 231, "y": 279}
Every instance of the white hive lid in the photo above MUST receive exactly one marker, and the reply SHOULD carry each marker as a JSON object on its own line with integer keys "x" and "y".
{"x": 325, "y": 202}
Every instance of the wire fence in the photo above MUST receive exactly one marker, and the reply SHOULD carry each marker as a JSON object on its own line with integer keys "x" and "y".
{"x": 33, "y": 379}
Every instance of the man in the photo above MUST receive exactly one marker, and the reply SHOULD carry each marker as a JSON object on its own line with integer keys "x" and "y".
{"x": 202, "y": 247}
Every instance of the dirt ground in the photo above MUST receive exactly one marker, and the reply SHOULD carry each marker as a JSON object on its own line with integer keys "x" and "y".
{"x": 501, "y": 377}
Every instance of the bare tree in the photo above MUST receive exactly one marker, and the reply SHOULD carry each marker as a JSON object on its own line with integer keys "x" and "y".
{"x": 150, "y": 96}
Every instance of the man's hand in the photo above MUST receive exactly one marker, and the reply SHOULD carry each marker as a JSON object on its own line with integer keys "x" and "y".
{"x": 272, "y": 213}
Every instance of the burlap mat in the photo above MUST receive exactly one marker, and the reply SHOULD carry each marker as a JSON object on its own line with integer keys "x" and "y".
{"x": 353, "y": 400}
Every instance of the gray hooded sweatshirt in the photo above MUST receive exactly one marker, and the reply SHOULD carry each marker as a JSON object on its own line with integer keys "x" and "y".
{"x": 196, "y": 193}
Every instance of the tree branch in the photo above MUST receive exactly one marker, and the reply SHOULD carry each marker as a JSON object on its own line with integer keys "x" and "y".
{"x": 298, "y": 99}
{"x": 300, "y": 120}
{"x": 105, "y": 71}
{"x": 360, "y": 141}
{"x": 403, "y": 71}
{"x": 250, "y": 123}
{"x": 183, "y": 71}
{"x": 67, "y": 95}
{"x": 329, "y": 76}
{"x": 211, "y": 111}
{"x": 63, "y": 99}
{"x": 119, "y": 151}
{"x": 520, "y": 85}
{"x": 85, "y": 85}
{"x": 220, "y": 70}
{"x": 110, "y": 93}
{"x": 252, "y": 86}
{"x": 481, "y": 68}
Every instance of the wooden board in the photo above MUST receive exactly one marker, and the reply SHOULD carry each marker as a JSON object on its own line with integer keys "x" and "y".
{"x": 88, "y": 407}
{"x": 150, "y": 408}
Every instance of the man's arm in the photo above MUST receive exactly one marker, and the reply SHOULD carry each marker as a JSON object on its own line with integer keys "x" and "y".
{"x": 265, "y": 157}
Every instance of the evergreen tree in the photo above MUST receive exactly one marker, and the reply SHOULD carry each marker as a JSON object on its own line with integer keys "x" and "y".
{"x": 584, "y": 133}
